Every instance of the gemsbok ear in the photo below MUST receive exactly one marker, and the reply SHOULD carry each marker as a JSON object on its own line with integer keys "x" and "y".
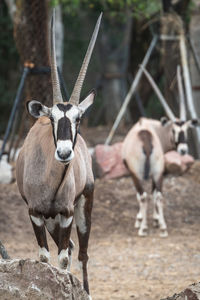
{"x": 165, "y": 121}
{"x": 37, "y": 110}
{"x": 87, "y": 102}
{"x": 193, "y": 123}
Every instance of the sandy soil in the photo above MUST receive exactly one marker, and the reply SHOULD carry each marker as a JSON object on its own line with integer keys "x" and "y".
{"x": 123, "y": 265}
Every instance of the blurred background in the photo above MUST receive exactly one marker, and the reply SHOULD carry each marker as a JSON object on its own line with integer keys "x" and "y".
{"x": 127, "y": 30}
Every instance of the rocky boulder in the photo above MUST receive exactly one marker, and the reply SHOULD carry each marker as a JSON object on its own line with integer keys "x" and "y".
{"x": 33, "y": 280}
{"x": 190, "y": 293}
{"x": 176, "y": 163}
{"x": 108, "y": 161}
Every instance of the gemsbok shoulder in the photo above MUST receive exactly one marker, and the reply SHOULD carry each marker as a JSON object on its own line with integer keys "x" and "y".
{"x": 143, "y": 153}
{"x": 54, "y": 170}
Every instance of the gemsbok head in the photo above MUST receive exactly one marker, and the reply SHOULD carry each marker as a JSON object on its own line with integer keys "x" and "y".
{"x": 179, "y": 125}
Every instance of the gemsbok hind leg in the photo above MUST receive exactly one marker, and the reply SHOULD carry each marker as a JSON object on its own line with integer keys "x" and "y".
{"x": 141, "y": 218}
{"x": 82, "y": 214}
{"x": 158, "y": 215}
{"x": 40, "y": 233}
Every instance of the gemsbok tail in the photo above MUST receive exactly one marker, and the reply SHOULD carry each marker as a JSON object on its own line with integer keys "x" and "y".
{"x": 146, "y": 138}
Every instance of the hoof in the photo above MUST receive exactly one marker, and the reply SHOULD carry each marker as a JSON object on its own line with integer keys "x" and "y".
{"x": 64, "y": 263}
{"x": 143, "y": 232}
{"x": 44, "y": 255}
{"x": 63, "y": 259}
{"x": 44, "y": 259}
{"x": 164, "y": 233}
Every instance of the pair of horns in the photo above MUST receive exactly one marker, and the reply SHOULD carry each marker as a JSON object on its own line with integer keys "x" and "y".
{"x": 75, "y": 96}
{"x": 168, "y": 111}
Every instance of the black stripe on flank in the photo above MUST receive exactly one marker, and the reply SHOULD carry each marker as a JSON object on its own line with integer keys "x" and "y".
{"x": 64, "y": 131}
{"x": 64, "y": 107}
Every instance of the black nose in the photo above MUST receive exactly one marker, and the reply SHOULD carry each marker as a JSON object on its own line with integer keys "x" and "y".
{"x": 64, "y": 155}
{"x": 183, "y": 152}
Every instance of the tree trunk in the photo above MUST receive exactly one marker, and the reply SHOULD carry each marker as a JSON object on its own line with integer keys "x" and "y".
{"x": 114, "y": 54}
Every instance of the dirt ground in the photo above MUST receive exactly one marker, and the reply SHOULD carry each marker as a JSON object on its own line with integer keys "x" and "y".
{"x": 123, "y": 265}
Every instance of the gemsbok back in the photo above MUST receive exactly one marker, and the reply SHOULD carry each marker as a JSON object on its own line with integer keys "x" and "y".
{"x": 143, "y": 153}
{"x": 54, "y": 172}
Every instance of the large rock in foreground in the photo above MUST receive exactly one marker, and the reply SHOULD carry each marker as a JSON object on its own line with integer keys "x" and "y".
{"x": 190, "y": 293}
{"x": 33, "y": 280}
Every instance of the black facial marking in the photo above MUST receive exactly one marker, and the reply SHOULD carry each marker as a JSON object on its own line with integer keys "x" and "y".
{"x": 64, "y": 131}
{"x": 53, "y": 131}
{"x": 64, "y": 107}
{"x": 181, "y": 137}
{"x": 179, "y": 123}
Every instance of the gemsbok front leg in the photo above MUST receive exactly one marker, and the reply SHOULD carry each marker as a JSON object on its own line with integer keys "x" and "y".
{"x": 82, "y": 215}
{"x": 158, "y": 215}
{"x": 53, "y": 227}
{"x": 64, "y": 238}
{"x": 40, "y": 233}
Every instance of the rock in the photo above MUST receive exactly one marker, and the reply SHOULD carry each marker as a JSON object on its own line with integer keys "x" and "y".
{"x": 108, "y": 161}
{"x": 190, "y": 293}
{"x": 33, "y": 280}
{"x": 176, "y": 163}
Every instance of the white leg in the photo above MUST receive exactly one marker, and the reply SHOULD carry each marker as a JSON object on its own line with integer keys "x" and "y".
{"x": 143, "y": 202}
{"x": 161, "y": 220}
{"x": 155, "y": 212}
{"x": 139, "y": 214}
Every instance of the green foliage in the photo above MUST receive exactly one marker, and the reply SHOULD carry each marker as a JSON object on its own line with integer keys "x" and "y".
{"x": 139, "y": 8}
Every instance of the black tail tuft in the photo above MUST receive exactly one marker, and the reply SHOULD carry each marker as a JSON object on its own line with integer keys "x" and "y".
{"x": 146, "y": 138}
{"x": 146, "y": 168}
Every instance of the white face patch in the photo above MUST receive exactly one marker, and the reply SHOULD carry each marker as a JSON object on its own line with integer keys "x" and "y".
{"x": 65, "y": 222}
{"x": 63, "y": 148}
{"x": 79, "y": 214}
{"x": 182, "y": 148}
{"x": 37, "y": 221}
{"x": 65, "y": 137}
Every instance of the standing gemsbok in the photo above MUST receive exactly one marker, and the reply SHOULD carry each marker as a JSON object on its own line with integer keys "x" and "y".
{"x": 143, "y": 153}
{"x": 54, "y": 172}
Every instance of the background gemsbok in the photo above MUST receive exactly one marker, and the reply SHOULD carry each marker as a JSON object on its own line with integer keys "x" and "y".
{"x": 54, "y": 172}
{"x": 143, "y": 154}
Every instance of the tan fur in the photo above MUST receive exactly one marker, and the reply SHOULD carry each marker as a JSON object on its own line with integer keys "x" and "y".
{"x": 132, "y": 149}
{"x": 39, "y": 174}
{"x": 143, "y": 150}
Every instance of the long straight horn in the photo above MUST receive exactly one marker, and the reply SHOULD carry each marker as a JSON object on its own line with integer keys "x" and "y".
{"x": 182, "y": 109}
{"x": 75, "y": 96}
{"x": 57, "y": 96}
{"x": 167, "y": 109}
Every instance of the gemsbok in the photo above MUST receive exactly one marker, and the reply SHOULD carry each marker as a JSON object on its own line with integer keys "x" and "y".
{"x": 54, "y": 172}
{"x": 143, "y": 153}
